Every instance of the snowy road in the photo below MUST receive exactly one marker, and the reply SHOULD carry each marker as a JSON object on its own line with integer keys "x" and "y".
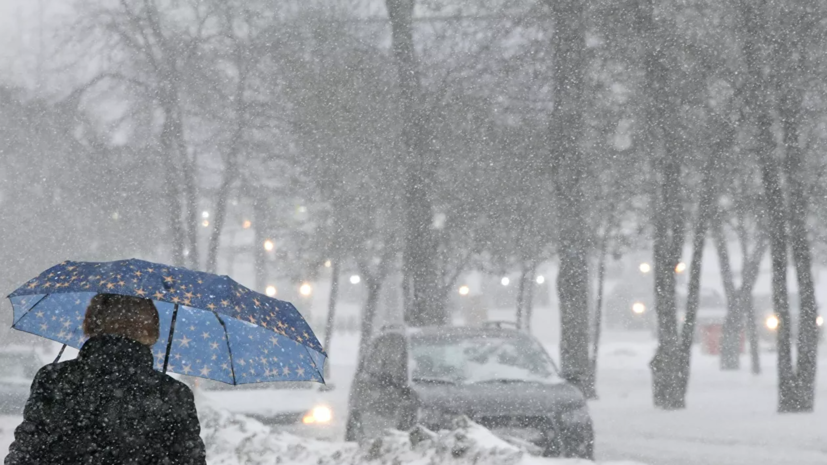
{"x": 730, "y": 419}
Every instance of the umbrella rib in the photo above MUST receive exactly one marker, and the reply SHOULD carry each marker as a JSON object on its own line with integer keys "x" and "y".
{"x": 321, "y": 375}
{"x": 229, "y": 349}
{"x": 30, "y": 309}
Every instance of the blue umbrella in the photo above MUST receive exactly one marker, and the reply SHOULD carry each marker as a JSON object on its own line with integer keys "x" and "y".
{"x": 218, "y": 329}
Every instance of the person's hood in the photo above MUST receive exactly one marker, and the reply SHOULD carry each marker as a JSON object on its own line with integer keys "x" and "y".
{"x": 110, "y": 352}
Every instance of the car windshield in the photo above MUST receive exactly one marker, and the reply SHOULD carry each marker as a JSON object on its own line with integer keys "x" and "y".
{"x": 479, "y": 359}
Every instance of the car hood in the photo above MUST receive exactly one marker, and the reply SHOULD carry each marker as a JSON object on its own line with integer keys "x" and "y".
{"x": 509, "y": 398}
{"x": 264, "y": 402}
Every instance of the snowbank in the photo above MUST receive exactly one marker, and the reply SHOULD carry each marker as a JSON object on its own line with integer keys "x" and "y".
{"x": 235, "y": 439}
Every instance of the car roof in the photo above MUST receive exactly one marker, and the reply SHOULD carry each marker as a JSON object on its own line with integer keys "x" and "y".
{"x": 456, "y": 331}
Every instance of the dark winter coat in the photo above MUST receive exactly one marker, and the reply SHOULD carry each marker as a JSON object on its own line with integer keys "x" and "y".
{"x": 108, "y": 406}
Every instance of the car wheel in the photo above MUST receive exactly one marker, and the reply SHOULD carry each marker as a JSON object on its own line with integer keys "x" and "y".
{"x": 353, "y": 428}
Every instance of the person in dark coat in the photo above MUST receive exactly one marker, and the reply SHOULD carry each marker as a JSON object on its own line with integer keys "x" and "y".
{"x": 109, "y": 406}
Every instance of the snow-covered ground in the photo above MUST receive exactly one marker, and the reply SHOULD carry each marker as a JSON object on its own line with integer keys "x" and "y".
{"x": 730, "y": 420}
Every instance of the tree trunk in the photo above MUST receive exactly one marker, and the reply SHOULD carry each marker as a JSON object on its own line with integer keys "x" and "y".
{"x": 420, "y": 242}
{"x": 759, "y": 98}
{"x": 374, "y": 286}
{"x": 172, "y": 192}
{"x": 219, "y": 217}
{"x": 569, "y": 175}
{"x": 805, "y": 376}
{"x": 787, "y": 397}
{"x": 730, "y": 337}
{"x": 752, "y": 332}
{"x": 331, "y": 308}
{"x": 229, "y": 175}
{"x": 740, "y": 306}
{"x": 528, "y": 304}
{"x": 259, "y": 261}
{"x": 521, "y": 295}
{"x": 598, "y": 307}
{"x": 661, "y": 144}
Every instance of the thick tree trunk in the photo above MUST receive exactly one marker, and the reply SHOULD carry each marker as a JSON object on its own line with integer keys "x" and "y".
{"x": 570, "y": 173}
{"x": 420, "y": 242}
{"x": 661, "y": 144}
{"x": 759, "y": 99}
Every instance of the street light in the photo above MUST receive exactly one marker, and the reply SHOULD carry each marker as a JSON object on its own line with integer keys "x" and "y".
{"x": 464, "y": 290}
{"x": 772, "y": 322}
{"x": 271, "y": 291}
{"x": 505, "y": 281}
{"x": 355, "y": 279}
{"x": 269, "y": 245}
{"x": 541, "y": 279}
{"x": 246, "y": 224}
{"x": 680, "y": 267}
{"x": 205, "y": 223}
{"x": 645, "y": 267}
{"x": 328, "y": 264}
{"x": 819, "y": 320}
{"x": 306, "y": 289}
{"x": 638, "y": 308}
{"x": 205, "y": 214}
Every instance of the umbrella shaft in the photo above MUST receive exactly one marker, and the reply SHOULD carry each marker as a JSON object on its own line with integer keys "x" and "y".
{"x": 171, "y": 333}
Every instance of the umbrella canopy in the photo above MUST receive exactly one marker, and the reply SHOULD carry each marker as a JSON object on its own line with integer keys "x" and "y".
{"x": 218, "y": 329}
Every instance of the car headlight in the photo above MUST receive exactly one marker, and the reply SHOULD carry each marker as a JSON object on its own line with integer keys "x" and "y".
{"x": 321, "y": 414}
{"x": 579, "y": 415}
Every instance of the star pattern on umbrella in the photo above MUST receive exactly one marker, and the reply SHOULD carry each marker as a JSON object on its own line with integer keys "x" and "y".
{"x": 268, "y": 338}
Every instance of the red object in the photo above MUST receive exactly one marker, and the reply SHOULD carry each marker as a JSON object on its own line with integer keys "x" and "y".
{"x": 711, "y": 339}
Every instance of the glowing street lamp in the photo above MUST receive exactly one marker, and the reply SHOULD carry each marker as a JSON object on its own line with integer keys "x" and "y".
{"x": 205, "y": 214}
{"x": 541, "y": 279}
{"x": 328, "y": 264}
{"x": 355, "y": 279}
{"x": 819, "y": 320}
{"x": 505, "y": 281}
{"x": 246, "y": 224}
{"x": 269, "y": 245}
{"x": 638, "y": 308}
{"x": 305, "y": 289}
{"x": 464, "y": 290}
{"x": 205, "y": 223}
{"x": 271, "y": 291}
{"x": 645, "y": 267}
{"x": 680, "y": 267}
{"x": 772, "y": 322}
